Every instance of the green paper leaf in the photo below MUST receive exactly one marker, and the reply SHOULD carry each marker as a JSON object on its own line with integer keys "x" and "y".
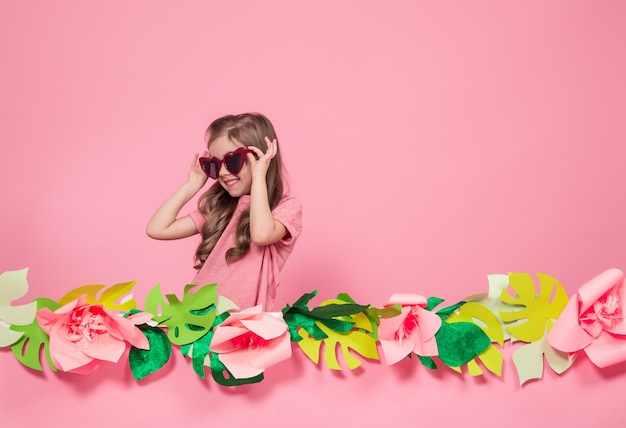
{"x": 187, "y": 320}
{"x": 460, "y": 342}
{"x": 199, "y": 352}
{"x": 13, "y": 285}
{"x": 374, "y": 314}
{"x": 221, "y": 375}
{"x": 337, "y": 310}
{"x": 300, "y": 316}
{"x": 480, "y": 315}
{"x": 433, "y": 302}
{"x": 428, "y": 362}
{"x": 144, "y": 362}
{"x": 185, "y": 349}
{"x": 358, "y": 339}
{"x": 27, "y": 349}
{"x": 447, "y": 311}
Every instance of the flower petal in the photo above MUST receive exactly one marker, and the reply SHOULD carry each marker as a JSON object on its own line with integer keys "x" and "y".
{"x": 105, "y": 347}
{"x": 276, "y": 351}
{"x": 221, "y": 341}
{"x": 594, "y": 289}
{"x": 125, "y": 329}
{"x": 407, "y": 300}
{"x": 395, "y": 351}
{"x": 268, "y": 327}
{"x": 607, "y": 350}
{"x": 388, "y": 327}
{"x": 427, "y": 348}
{"x": 429, "y": 323}
{"x": 566, "y": 334}
{"x": 66, "y": 354}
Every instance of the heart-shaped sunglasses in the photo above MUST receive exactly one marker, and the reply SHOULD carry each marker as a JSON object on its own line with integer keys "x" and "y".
{"x": 233, "y": 161}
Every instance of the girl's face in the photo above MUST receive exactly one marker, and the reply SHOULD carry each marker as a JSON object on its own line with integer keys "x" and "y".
{"x": 235, "y": 185}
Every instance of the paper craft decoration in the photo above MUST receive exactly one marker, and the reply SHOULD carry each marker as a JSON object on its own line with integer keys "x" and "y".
{"x": 93, "y": 324}
{"x": 593, "y": 321}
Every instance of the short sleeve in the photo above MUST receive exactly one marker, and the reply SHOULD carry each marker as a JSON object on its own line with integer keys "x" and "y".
{"x": 198, "y": 219}
{"x": 289, "y": 214}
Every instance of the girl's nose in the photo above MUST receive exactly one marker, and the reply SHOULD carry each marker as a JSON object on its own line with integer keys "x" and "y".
{"x": 223, "y": 170}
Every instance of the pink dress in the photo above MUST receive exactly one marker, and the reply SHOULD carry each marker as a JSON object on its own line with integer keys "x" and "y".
{"x": 252, "y": 279}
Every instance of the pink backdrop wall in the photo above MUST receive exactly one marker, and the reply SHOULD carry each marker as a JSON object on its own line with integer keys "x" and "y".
{"x": 431, "y": 143}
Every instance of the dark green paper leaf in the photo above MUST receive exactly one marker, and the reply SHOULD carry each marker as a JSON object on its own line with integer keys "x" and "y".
{"x": 428, "y": 362}
{"x": 220, "y": 372}
{"x": 460, "y": 342}
{"x": 144, "y": 362}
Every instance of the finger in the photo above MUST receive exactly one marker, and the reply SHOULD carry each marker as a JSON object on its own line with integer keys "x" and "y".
{"x": 272, "y": 148}
{"x": 256, "y": 150}
{"x": 251, "y": 158}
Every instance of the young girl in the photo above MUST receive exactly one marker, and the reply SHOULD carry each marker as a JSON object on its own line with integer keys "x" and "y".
{"x": 248, "y": 226}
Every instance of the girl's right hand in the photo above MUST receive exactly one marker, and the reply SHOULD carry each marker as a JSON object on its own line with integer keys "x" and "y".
{"x": 197, "y": 177}
{"x": 166, "y": 222}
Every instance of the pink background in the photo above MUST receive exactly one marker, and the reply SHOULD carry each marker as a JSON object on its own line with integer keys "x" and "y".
{"x": 431, "y": 143}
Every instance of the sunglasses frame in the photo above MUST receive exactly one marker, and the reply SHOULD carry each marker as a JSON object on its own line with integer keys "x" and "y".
{"x": 205, "y": 162}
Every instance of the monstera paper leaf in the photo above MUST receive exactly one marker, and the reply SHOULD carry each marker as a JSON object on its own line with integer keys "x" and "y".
{"x": 532, "y": 323}
{"x": 358, "y": 339}
{"x": 28, "y": 348}
{"x": 13, "y": 285}
{"x": 528, "y": 360}
{"x": 480, "y": 315}
{"x": 539, "y": 309}
{"x": 187, "y": 320}
{"x": 116, "y": 297}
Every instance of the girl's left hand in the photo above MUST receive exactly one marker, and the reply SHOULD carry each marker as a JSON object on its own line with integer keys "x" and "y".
{"x": 260, "y": 166}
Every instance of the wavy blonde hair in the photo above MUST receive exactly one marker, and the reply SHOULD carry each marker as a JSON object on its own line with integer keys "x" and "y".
{"x": 216, "y": 204}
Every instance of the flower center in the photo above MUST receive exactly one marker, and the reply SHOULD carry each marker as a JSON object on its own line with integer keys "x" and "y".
{"x": 606, "y": 313}
{"x": 248, "y": 340}
{"x": 85, "y": 325}
{"x": 408, "y": 325}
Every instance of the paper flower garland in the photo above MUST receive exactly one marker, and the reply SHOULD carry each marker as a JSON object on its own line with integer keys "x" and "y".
{"x": 95, "y": 323}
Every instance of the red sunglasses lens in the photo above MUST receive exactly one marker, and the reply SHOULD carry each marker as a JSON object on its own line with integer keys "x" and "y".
{"x": 234, "y": 162}
{"x": 210, "y": 167}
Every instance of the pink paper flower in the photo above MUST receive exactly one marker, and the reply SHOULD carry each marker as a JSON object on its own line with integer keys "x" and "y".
{"x": 249, "y": 341}
{"x": 593, "y": 321}
{"x": 83, "y": 335}
{"x": 411, "y": 331}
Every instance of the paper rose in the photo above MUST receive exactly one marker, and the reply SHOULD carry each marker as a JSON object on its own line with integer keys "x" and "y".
{"x": 84, "y": 335}
{"x": 411, "y": 331}
{"x": 249, "y": 341}
{"x": 593, "y": 321}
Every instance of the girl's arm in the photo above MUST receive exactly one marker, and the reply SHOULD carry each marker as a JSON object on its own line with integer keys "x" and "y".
{"x": 264, "y": 229}
{"x": 164, "y": 223}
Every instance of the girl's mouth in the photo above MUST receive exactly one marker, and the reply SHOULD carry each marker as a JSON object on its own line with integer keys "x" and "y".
{"x": 231, "y": 182}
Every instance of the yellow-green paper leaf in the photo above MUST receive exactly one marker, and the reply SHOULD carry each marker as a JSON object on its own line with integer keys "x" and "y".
{"x": 111, "y": 298}
{"x": 357, "y": 340}
{"x": 539, "y": 310}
